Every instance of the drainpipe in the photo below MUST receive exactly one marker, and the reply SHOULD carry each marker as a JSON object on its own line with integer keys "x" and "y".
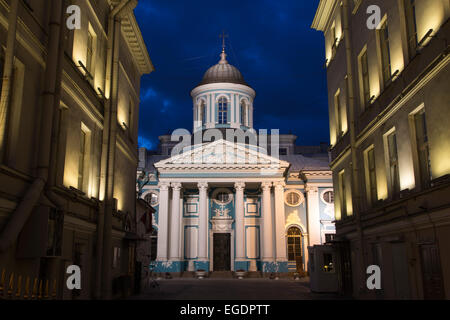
{"x": 104, "y": 231}
{"x": 25, "y": 207}
{"x": 8, "y": 70}
{"x": 355, "y": 165}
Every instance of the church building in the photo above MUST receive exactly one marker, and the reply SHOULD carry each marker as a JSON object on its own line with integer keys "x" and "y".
{"x": 227, "y": 205}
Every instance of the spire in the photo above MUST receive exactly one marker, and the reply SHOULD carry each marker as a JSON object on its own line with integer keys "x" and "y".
{"x": 223, "y": 55}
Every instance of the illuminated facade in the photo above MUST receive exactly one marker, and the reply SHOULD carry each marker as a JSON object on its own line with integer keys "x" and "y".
{"x": 228, "y": 205}
{"x": 389, "y": 113}
{"x": 69, "y": 124}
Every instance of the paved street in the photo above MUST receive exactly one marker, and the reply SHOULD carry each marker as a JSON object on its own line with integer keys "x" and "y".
{"x": 231, "y": 289}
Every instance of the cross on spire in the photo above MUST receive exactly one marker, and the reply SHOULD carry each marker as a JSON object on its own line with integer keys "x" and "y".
{"x": 223, "y": 36}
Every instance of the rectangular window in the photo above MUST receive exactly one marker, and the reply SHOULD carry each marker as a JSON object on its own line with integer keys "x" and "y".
{"x": 385, "y": 53}
{"x": 90, "y": 52}
{"x": 283, "y": 152}
{"x": 372, "y": 177}
{"x": 411, "y": 25}
{"x": 116, "y": 257}
{"x": 423, "y": 149}
{"x": 365, "y": 88}
{"x": 343, "y": 193}
{"x": 338, "y": 114}
{"x": 82, "y": 159}
{"x": 393, "y": 164}
{"x": 2, "y": 65}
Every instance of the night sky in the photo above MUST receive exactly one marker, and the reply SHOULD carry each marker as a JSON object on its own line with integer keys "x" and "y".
{"x": 270, "y": 42}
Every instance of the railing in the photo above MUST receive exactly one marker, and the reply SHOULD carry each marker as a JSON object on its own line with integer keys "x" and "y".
{"x": 22, "y": 288}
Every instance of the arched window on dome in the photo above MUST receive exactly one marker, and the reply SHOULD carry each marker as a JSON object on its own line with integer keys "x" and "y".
{"x": 244, "y": 113}
{"x": 202, "y": 116}
{"x": 223, "y": 110}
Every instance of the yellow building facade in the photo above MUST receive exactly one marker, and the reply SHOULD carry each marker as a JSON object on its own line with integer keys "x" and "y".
{"x": 69, "y": 126}
{"x": 388, "y": 75}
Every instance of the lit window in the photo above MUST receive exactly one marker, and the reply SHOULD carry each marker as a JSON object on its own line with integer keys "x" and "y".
{"x": 365, "y": 88}
{"x": 328, "y": 197}
{"x": 243, "y": 113}
{"x": 294, "y": 246}
{"x": 223, "y": 111}
{"x": 293, "y": 198}
{"x": 90, "y": 52}
{"x": 393, "y": 164}
{"x": 385, "y": 52}
{"x": 343, "y": 193}
{"x": 371, "y": 174}
{"x": 82, "y": 159}
{"x": 423, "y": 148}
{"x": 411, "y": 25}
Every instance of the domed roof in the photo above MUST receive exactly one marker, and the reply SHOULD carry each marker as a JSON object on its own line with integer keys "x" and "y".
{"x": 223, "y": 72}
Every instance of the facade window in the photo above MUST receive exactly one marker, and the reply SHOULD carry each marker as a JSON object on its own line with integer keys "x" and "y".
{"x": 328, "y": 197}
{"x": 2, "y": 65}
{"x": 152, "y": 198}
{"x": 372, "y": 176}
{"x": 329, "y": 237}
{"x": 82, "y": 159}
{"x": 222, "y": 196}
{"x": 294, "y": 243}
{"x": 283, "y": 152}
{"x": 338, "y": 114}
{"x": 411, "y": 25}
{"x": 365, "y": 88}
{"x": 223, "y": 111}
{"x": 90, "y": 52}
{"x": 203, "y": 113}
{"x": 333, "y": 41}
{"x": 423, "y": 148}
{"x": 154, "y": 244}
{"x": 343, "y": 193}
{"x": 243, "y": 113}
{"x": 130, "y": 114}
{"x": 385, "y": 52}
{"x": 293, "y": 198}
{"x": 393, "y": 163}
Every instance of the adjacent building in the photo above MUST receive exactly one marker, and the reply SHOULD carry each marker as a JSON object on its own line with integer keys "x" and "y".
{"x": 68, "y": 145}
{"x": 227, "y": 204}
{"x": 389, "y": 106}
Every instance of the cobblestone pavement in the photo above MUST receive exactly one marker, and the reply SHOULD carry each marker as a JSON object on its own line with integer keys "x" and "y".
{"x": 231, "y": 289}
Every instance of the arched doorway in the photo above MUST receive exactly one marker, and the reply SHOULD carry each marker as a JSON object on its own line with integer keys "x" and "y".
{"x": 294, "y": 249}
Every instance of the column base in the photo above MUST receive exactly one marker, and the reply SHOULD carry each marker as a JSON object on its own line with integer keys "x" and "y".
{"x": 201, "y": 265}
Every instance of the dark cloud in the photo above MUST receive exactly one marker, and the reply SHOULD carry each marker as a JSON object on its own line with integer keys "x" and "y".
{"x": 270, "y": 42}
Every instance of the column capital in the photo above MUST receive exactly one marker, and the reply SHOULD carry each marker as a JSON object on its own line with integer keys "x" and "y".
{"x": 176, "y": 186}
{"x": 164, "y": 186}
{"x": 202, "y": 185}
{"x": 239, "y": 186}
{"x": 266, "y": 186}
{"x": 279, "y": 185}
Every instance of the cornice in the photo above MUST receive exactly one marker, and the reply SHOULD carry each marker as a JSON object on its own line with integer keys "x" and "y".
{"x": 323, "y": 14}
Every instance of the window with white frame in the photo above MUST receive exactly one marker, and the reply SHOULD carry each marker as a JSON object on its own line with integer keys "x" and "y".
{"x": 223, "y": 110}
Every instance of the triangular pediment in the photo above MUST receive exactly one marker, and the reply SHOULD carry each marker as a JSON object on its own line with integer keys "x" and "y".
{"x": 222, "y": 153}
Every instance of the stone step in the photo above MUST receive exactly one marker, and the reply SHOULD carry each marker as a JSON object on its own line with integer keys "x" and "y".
{"x": 221, "y": 275}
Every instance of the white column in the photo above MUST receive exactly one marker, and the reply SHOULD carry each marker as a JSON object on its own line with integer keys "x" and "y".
{"x": 280, "y": 222}
{"x": 203, "y": 222}
{"x": 163, "y": 219}
{"x": 175, "y": 222}
{"x": 267, "y": 223}
{"x": 240, "y": 231}
{"x": 313, "y": 215}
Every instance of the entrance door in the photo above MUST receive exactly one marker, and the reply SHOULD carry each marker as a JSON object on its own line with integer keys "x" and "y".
{"x": 294, "y": 244}
{"x": 222, "y": 257}
{"x": 431, "y": 272}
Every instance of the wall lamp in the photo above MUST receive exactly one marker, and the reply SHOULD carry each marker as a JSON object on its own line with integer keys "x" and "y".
{"x": 100, "y": 93}
{"x": 86, "y": 71}
{"x": 395, "y": 75}
{"x": 425, "y": 37}
{"x": 372, "y": 98}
